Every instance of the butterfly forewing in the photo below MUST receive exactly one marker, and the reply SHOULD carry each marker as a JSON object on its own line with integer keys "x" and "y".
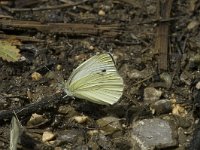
{"x": 96, "y": 63}
{"x": 96, "y": 80}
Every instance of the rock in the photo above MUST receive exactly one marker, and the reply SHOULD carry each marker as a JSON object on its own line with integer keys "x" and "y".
{"x": 149, "y": 134}
{"x": 194, "y": 62}
{"x": 59, "y": 67}
{"x": 70, "y": 137}
{"x": 198, "y": 85}
{"x": 166, "y": 77}
{"x": 67, "y": 110}
{"x": 36, "y": 119}
{"x": 101, "y": 13}
{"x": 135, "y": 74}
{"x": 193, "y": 24}
{"x": 109, "y": 124}
{"x": 80, "y": 119}
{"x": 36, "y": 76}
{"x": 179, "y": 110}
{"x": 186, "y": 78}
{"x": 100, "y": 141}
{"x": 151, "y": 94}
{"x": 162, "y": 106}
{"x": 47, "y": 136}
{"x": 151, "y": 10}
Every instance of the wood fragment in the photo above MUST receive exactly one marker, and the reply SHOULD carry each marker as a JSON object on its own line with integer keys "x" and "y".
{"x": 47, "y": 103}
{"x": 162, "y": 34}
{"x": 13, "y": 10}
{"x": 20, "y": 37}
{"x": 72, "y": 29}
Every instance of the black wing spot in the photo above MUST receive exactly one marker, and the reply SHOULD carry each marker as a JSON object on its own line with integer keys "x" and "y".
{"x": 103, "y": 70}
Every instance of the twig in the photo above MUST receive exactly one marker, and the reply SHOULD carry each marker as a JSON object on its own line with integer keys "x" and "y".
{"x": 20, "y": 37}
{"x": 162, "y": 34}
{"x": 13, "y": 10}
{"x": 46, "y": 103}
{"x": 73, "y": 29}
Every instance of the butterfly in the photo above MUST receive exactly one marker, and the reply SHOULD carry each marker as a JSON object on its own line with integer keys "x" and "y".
{"x": 96, "y": 80}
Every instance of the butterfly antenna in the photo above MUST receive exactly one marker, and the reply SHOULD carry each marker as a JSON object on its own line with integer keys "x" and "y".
{"x": 112, "y": 58}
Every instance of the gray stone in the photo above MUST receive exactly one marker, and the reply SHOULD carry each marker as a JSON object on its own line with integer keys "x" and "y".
{"x": 162, "y": 106}
{"x": 149, "y": 134}
{"x": 151, "y": 94}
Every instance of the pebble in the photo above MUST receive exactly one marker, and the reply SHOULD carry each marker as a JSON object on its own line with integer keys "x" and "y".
{"x": 135, "y": 74}
{"x": 36, "y": 76}
{"x": 47, "y": 136}
{"x": 67, "y": 110}
{"x": 198, "y": 85}
{"x": 151, "y": 94}
{"x": 109, "y": 125}
{"x": 179, "y": 110}
{"x": 194, "y": 61}
{"x": 186, "y": 78}
{"x": 69, "y": 136}
{"x": 166, "y": 77}
{"x": 162, "y": 106}
{"x": 80, "y": 119}
{"x": 101, "y": 13}
{"x": 149, "y": 134}
{"x": 193, "y": 24}
{"x": 36, "y": 119}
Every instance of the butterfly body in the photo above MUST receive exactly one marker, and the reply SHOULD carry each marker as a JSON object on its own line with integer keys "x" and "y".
{"x": 96, "y": 80}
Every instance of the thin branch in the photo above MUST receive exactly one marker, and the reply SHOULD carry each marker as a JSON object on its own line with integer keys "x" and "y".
{"x": 13, "y": 10}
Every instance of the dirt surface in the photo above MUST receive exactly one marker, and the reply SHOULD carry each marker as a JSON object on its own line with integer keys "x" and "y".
{"x": 150, "y": 50}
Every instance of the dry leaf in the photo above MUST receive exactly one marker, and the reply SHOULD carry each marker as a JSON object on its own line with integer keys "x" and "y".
{"x": 9, "y": 52}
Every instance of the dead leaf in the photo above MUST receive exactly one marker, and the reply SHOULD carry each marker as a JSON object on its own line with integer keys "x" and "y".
{"x": 9, "y": 52}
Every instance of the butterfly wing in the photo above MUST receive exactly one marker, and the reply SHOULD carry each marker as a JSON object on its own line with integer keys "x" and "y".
{"x": 96, "y": 80}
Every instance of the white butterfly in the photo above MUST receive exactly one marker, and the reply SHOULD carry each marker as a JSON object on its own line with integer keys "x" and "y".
{"x": 96, "y": 80}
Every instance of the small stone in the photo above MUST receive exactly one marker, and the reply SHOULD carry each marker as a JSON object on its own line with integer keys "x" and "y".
{"x": 70, "y": 136}
{"x": 109, "y": 124}
{"x": 149, "y": 134}
{"x": 93, "y": 132}
{"x": 80, "y": 119}
{"x": 59, "y": 67}
{"x": 101, "y": 13}
{"x": 151, "y": 94}
{"x": 47, "y": 136}
{"x": 193, "y": 24}
{"x": 134, "y": 74}
{"x": 162, "y": 106}
{"x": 91, "y": 47}
{"x": 186, "y": 78}
{"x": 198, "y": 85}
{"x": 36, "y": 76}
{"x": 151, "y": 9}
{"x": 166, "y": 77}
{"x": 69, "y": 110}
{"x": 194, "y": 62}
{"x": 80, "y": 57}
{"x": 36, "y": 119}
{"x": 58, "y": 148}
{"x": 179, "y": 110}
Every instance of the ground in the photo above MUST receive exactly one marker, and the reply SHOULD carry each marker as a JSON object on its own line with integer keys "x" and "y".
{"x": 161, "y": 75}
